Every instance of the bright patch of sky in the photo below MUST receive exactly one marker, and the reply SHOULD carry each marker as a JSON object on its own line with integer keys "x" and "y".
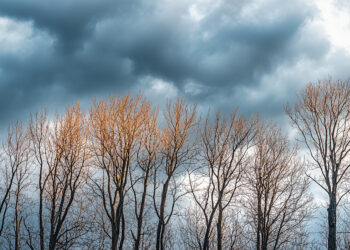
{"x": 20, "y": 37}
{"x": 335, "y": 18}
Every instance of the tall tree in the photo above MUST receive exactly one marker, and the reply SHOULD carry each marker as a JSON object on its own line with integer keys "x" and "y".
{"x": 278, "y": 202}
{"x": 224, "y": 151}
{"x": 116, "y": 129}
{"x": 14, "y": 163}
{"x": 177, "y": 150}
{"x": 61, "y": 152}
{"x": 147, "y": 158}
{"x": 39, "y": 134}
{"x": 21, "y": 185}
{"x": 322, "y": 117}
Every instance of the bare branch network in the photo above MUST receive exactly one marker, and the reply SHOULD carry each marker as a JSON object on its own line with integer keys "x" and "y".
{"x": 118, "y": 178}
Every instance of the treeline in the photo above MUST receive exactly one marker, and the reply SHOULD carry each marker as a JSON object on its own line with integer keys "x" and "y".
{"x": 128, "y": 176}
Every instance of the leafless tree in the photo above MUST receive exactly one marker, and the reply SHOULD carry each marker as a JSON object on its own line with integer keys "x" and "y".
{"x": 14, "y": 166}
{"x": 21, "y": 184}
{"x": 60, "y": 151}
{"x": 116, "y": 128}
{"x": 39, "y": 134}
{"x": 177, "y": 150}
{"x": 146, "y": 160}
{"x": 125, "y": 178}
{"x": 224, "y": 150}
{"x": 322, "y": 117}
{"x": 278, "y": 199}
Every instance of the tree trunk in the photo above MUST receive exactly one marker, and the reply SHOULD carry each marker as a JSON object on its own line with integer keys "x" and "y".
{"x": 207, "y": 231}
{"x": 142, "y": 208}
{"x": 114, "y": 237}
{"x": 18, "y": 225}
{"x": 41, "y": 223}
{"x": 118, "y": 220}
{"x": 332, "y": 222}
{"x": 264, "y": 237}
{"x": 123, "y": 231}
{"x": 219, "y": 228}
{"x": 259, "y": 221}
{"x": 206, "y": 236}
{"x": 52, "y": 242}
{"x": 138, "y": 237}
{"x": 160, "y": 228}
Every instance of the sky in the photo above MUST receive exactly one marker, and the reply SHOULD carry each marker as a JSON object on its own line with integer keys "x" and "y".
{"x": 255, "y": 54}
{"x": 221, "y": 54}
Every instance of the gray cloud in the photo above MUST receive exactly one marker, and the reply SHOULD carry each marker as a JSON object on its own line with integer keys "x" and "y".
{"x": 225, "y": 56}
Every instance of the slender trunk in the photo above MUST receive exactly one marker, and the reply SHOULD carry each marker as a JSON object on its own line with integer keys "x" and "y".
{"x": 52, "y": 242}
{"x": 264, "y": 223}
{"x": 53, "y": 236}
{"x": 265, "y": 237}
{"x": 114, "y": 236}
{"x": 41, "y": 224}
{"x": 116, "y": 224}
{"x": 332, "y": 222}
{"x": 138, "y": 237}
{"x": 18, "y": 225}
{"x": 162, "y": 236}
{"x": 219, "y": 227}
{"x": 264, "y": 243}
{"x": 120, "y": 209}
{"x": 118, "y": 220}
{"x": 160, "y": 228}
{"x": 123, "y": 231}
{"x": 140, "y": 216}
{"x": 259, "y": 221}
{"x": 210, "y": 221}
{"x": 206, "y": 236}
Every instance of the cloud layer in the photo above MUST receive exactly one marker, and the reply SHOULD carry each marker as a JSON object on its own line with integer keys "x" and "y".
{"x": 254, "y": 54}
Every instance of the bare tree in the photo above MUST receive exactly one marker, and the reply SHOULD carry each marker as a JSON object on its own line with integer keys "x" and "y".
{"x": 14, "y": 166}
{"x": 177, "y": 149}
{"x": 39, "y": 134}
{"x": 116, "y": 129}
{"x": 278, "y": 200}
{"x": 322, "y": 117}
{"x": 21, "y": 184}
{"x": 224, "y": 151}
{"x": 60, "y": 150}
{"x": 140, "y": 176}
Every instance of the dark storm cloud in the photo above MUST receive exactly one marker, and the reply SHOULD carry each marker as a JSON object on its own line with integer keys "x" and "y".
{"x": 70, "y": 21}
{"x": 95, "y": 47}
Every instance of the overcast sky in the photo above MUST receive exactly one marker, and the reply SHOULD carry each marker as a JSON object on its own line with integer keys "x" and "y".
{"x": 253, "y": 54}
